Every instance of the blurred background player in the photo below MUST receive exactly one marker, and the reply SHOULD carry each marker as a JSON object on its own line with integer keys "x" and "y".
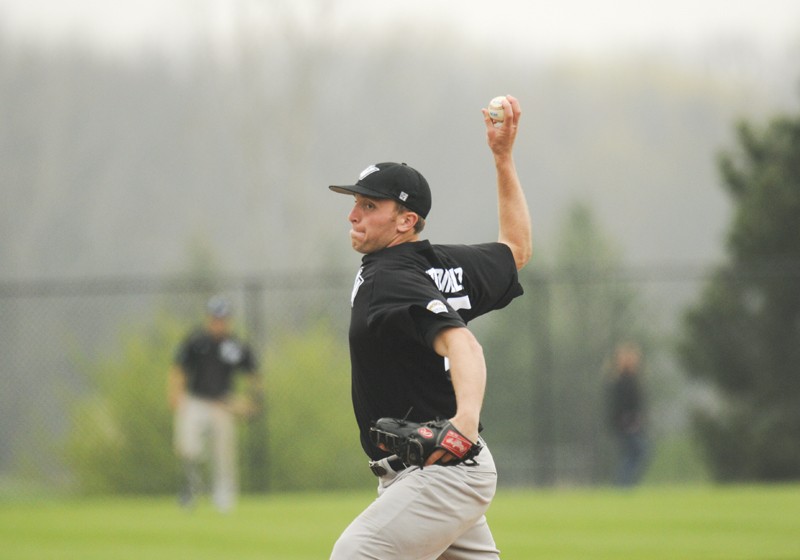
{"x": 627, "y": 413}
{"x": 201, "y": 394}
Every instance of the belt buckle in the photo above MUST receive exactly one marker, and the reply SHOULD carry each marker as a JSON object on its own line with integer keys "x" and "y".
{"x": 377, "y": 469}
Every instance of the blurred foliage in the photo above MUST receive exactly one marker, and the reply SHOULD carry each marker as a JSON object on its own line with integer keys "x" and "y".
{"x": 592, "y": 310}
{"x": 591, "y": 313}
{"x": 120, "y": 439}
{"x": 549, "y": 350}
{"x": 121, "y": 432}
{"x": 743, "y": 336}
{"x": 314, "y": 442}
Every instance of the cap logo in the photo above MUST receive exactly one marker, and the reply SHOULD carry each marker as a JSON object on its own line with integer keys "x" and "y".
{"x": 368, "y": 171}
{"x": 403, "y": 196}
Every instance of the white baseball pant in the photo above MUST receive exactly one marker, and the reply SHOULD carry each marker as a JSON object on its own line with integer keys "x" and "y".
{"x": 436, "y": 512}
{"x": 197, "y": 420}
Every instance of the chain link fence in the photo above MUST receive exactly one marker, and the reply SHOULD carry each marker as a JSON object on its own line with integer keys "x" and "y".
{"x": 544, "y": 410}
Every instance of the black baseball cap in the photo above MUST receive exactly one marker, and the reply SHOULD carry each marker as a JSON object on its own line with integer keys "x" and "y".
{"x": 397, "y": 181}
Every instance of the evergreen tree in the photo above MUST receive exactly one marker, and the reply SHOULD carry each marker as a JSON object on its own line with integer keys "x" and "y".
{"x": 743, "y": 336}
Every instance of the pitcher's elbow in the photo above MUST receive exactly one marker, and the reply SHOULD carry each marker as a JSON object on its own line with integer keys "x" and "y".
{"x": 523, "y": 255}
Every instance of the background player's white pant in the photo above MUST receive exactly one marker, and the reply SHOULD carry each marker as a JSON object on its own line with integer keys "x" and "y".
{"x": 197, "y": 420}
{"x": 425, "y": 514}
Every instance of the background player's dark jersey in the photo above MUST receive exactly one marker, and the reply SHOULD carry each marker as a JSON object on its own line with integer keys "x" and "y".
{"x": 210, "y": 364}
{"x": 402, "y": 297}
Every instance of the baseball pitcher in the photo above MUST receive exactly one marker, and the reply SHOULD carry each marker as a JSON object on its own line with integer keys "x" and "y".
{"x": 418, "y": 373}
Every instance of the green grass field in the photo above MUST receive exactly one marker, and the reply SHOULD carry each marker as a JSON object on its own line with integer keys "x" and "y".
{"x": 649, "y": 523}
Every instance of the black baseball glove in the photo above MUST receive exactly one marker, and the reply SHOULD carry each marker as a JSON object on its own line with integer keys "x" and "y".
{"x": 413, "y": 443}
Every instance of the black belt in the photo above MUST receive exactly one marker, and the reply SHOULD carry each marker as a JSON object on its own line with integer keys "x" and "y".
{"x": 394, "y": 463}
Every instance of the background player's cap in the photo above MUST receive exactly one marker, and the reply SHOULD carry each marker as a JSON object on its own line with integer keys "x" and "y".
{"x": 219, "y": 307}
{"x": 397, "y": 181}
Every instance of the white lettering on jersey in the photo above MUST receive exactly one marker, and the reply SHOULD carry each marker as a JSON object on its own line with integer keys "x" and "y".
{"x": 447, "y": 280}
{"x": 450, "y": 281}
{"x": 356, "y": 285}
{"x": 230, "y": 352}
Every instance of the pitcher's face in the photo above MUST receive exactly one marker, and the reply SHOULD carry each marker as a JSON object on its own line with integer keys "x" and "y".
{"x": 375, "y": 224}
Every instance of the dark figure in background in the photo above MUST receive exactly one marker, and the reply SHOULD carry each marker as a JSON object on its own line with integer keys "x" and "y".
{"x": 627, "y": 414}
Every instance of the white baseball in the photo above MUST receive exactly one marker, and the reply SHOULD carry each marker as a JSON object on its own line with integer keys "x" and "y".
{"x": 496, "y": 112}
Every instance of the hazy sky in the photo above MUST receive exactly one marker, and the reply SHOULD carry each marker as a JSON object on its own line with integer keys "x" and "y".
{"x": 553, "y": 26}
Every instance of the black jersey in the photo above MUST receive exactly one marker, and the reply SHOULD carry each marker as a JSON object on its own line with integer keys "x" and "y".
{"x": 626, "y": 403}
{"x": 402, "y": 298}
{"x": 210, "y": 363}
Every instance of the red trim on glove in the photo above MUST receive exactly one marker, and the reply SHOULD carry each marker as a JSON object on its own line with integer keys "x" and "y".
{"x": 456, "y": 444}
